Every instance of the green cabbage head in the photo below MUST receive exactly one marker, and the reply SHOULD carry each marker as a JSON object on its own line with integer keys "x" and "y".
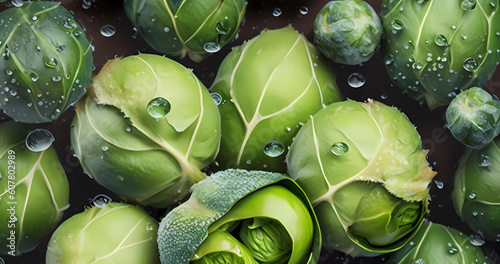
{"x": 433, "y": 49}
{"x": 364, "y": 169}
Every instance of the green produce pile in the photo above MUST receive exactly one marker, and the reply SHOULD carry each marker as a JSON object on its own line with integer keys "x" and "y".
{"x": 249, "y": 131}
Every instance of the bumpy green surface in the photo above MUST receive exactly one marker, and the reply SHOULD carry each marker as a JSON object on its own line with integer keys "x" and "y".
{"x": 47, "y": 61}
{"x": 145, "y": 159}
{"x": 347, "y": 32}
{"x": 32, "y": 202}
{"x": 370, "y": 195}
{"x": 435, "y": 48}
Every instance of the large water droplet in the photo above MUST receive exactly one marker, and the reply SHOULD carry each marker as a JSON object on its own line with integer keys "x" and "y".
{"x": 211, "y": 47}
{"x": 356, "y": 80}
{"x": 39, "y": 140}
{"x": 304, "y": 10}
{"x": 483, "y": 161}
{"x": 472, "y": 195}
{"x": 470, "y": 64}
{"x": 469, "y": 5}
{"x": 34, "y": 77}
{"x": 222, "y": 27}
{"x": 217, "y": 98}
{"x": 476, "y": 240}
{"x": 277, "y": 12}
{"x": 101, "y": 200}
{"x": 388, "y": 59}
{"x": 158, "y": 107}
{"x": 441, "y": 40}
{"x": 52, "y": 63}
{"x": 274, "y": 149}
{"x": 397, "y": 25}
{"x": 108, "y": 30}
{"x": 339, "y": 148}
{"x": 17, "y": 3}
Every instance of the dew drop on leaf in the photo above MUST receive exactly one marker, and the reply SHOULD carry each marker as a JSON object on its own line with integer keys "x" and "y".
{"x": 52, "y": 63}
{"x": 61, "y": 48}
{"x": 470, "y": 64}
{"x": 388, "y": 59}
{"x": 17, "y": 3}
{"x": 397, "y": 25}
{"x": 217, "y": 98}
{"x": 339, "y": 148}
{"x": 441, "y": 40}
{"x": 39, "y": 140}
{"x": 101, "y": 200}
{"x": 356, "y": 80}
{"x": 211, "y": 47}
{"x": 468, "y": 5}
{"x": 222, "y": 27}
{"x": 34, "y": 77}
{"x": 472, "y": 195}
{"x": 274, "y": 149}
{"x": 483, "y": 161}
{"x": 158, "y": 107}
{"x": 476, "y": 240}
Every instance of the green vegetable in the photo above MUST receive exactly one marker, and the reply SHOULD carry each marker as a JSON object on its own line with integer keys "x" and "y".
{"x": 113, "y": 233}
{"x": 238, "y": 216}
{"x": 435, "y": 243}
{"x": 267, "y": 87}
{"x": 193, "y": 27}
{"x": 146, "y": 128}
{"x": 363, "y": 168}
{"x": 34, "y": 190}
{"x": 347, "y": 32}
{"x": 476, "y": 195}
{"x": 473, "y": 117}
{"x": 434, "y": 48}
{"x": 47, "y": 61}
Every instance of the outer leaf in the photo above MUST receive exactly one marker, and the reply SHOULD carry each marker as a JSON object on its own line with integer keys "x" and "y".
{"x": 427, "y": 43}
{"x": 115, "y": 233}
{"x": 269, "y": 85}
{"x": 41, "y": 191}
{"x": 34, "y": 36}
{"x": 120, "y": 144}
{"x": 180, "y": 27}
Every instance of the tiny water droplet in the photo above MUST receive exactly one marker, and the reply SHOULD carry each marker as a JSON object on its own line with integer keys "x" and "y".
{"x": 34, "y": 18}
{"x": 39, "y": 140}
{"x": 474, "y": 213}
{"x": 397, "y": 25}
{"x": 158, "y": 107}
{"x": 8, "y": 72}
{"x": 441, "y": 40}
{"x": 439, "y": 184}
{"x": 476, "y": 240}
{"x": 453, "y": 251}
{"x": 277, "y": 12}
{"x": 101, "y": 200}
{"x": 339, "y": 148}
{"x": 105, "y": 148}
{"x": 304, "y": 10}
{"x": 472, "y": 195}
{"x": 211, "y": 47}
{"x": 468, "y": 5}
{"x": 166, "y": 29}
{"x": 274, "y": 149}
{"x": 217, "y": 98}
{"x": 56, "y": 78}
{"x": 356, "y": 80}
{"x": 388, "y": 59}
{"x": 470, "y": 64}
{"x": 483, "y": 161}
{"x": 34, "y": 77}
{"x": 108, "y": 30}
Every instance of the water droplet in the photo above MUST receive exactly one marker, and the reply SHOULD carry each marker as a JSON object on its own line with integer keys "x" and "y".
{"x": 339, "y": 148}
{"x": 222, "y": 27}
{"x": 397, "y": 25}
{"x": 470, "y": 64}
{"x": 469, "y": 5}
{"x": 476, "y": 240}
{"x": 217, "y": 98}
{"x": 56, "y": 78}
{"x": 474, "y": 213}
{"x": 356, "y": 80}
{"x": 13, "y": 92}
{"x": 453, "y": 251}
{"x": 274, "y": 149}
{"x": 52, "y": 63}
{"x": 108, "y": 30}
{"x": 34, "y": 77}
{"x": 277, "y": 12}
{"x": 70, "y": 25}
{"x": 61, "y": 48}
{"x": 158, "y": 107}
{"x": 483, "y": 161}
{"x": 34, "y": 18}
{"x": 8, "y": 72}
{"x": 472, "y": 195}
{"x": 86, "y": 4}
{"x": 211, "y": 47}
{"x": 304, "y": 10}
{"x": 166, "y": 29}
{"x": 439, "y": 184}
{"x": 101, "y": 200}
{"x": 39, "y": 140}
{"x": 441, "y": 40}
{"x": 388, "y": 59}
{"x": 105, "y": 148}
{"x": 17, "y": 3}
{"x": 149, "y": 228}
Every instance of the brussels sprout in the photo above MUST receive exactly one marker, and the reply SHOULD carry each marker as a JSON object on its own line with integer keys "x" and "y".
{"x": 113, "y": 233}
{"x": 363, "y": 168}
{"x": 193, "y": 27}
{"x": 146, "y": 128}
{"x": 47, "y": 61}
{"x": 238, "y": 216}
{"x": 268, "y": 86}
{"x": 34, "y": 188}
{"x": 347, "y": 32}
{"x": 473, "y": 117}
{"x": 434, "y": 48}
{"x": 476, "y": 194}
{"x": 435, "y": 243}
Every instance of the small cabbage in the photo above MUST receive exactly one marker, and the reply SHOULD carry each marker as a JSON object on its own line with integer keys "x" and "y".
{"x": 364, "y": 169}
{"x": 244, "y": 217}
{"x": 267, "y": 87}
{"x": 193, "y": 27}
{"x": 434, "y": 48}
{"x": 47, "y": 61}
{"x": 348, "y": 31}
{"x": 112, "y": 233}
{"x": 34, "y": 190}
{"x": 473, "y": 117}
{"x": 146, "y": 128}
{"x": 476, "y": 194}
{"x": 435, "y": 243}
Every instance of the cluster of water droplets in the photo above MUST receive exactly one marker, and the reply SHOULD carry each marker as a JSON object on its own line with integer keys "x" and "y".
{"x": 223, "y": 28}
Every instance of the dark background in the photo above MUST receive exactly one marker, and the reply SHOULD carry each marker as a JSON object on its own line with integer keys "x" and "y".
{"x": 444, "y": 149}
